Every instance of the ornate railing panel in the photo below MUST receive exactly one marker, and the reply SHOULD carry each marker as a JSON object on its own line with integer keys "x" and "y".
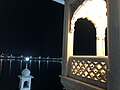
{"x": 89, "y": 69}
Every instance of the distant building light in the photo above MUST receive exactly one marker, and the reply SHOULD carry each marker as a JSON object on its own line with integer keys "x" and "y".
{"x": 21, "y": 56}
{"x": 27, "y": 58}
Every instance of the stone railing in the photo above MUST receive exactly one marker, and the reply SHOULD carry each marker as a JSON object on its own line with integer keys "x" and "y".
{"x": 89, "y": 69}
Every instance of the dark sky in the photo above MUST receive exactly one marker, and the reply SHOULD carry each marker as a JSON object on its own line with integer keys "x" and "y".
{"x": 31, "y": 27}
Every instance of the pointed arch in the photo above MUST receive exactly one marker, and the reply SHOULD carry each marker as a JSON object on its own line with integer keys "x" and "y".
{"x": 93, "y": 11}
{"x": 96, "y": 13}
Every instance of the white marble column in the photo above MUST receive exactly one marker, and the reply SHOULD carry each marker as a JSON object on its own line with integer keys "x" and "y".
{"x": 100, "y": 42}
{"x": 114, "y": 44}
{"x": 67, "y": 39}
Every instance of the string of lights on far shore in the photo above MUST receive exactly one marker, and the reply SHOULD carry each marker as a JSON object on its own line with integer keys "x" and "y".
{"x": 27, "y": 58}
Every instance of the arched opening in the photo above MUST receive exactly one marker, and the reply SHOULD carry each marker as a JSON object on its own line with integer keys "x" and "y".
{"x": 84, "y": 37}
{"x": 26, "y": 84}
{"x": 99, "y": 18}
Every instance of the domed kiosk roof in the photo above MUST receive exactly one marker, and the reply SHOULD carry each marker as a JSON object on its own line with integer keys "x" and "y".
{"x": 26, "y": 72}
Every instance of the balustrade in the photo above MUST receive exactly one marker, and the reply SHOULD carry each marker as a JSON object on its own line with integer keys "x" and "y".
{"x": 89, "y": 69}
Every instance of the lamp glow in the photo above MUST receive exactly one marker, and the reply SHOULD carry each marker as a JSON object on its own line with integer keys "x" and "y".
{"x": 27, "y": 58}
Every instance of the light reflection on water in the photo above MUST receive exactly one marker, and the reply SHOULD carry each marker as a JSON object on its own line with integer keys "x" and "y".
{"x": 44, "y": 71}
{"x": 22, "y": 63}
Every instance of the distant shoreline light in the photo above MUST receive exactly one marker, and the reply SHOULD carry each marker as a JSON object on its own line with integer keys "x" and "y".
{"x": 27, "y": 58}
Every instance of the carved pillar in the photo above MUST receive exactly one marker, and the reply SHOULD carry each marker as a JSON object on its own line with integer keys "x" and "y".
{"x": 114, "y": 44}
{"x": 67, "y": 39}
{"x": 100, "y": 41}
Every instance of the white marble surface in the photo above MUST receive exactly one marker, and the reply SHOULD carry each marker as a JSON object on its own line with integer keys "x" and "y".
{"x": 60, "y": 1}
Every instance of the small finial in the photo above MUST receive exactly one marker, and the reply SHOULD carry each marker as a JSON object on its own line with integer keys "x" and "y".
{"x": 26, "y": 65}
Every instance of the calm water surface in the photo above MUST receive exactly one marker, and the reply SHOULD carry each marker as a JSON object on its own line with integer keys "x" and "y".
{"x": 45, "y": 74}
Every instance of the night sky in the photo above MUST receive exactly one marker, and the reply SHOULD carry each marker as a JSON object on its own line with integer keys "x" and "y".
{"x": 31, "y": 27}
